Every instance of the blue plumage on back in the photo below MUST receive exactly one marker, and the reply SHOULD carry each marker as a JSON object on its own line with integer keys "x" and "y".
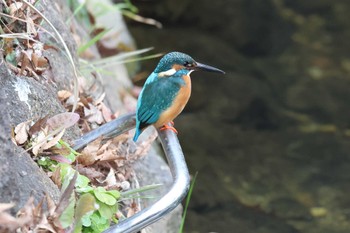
{"x": 156, "y": 96}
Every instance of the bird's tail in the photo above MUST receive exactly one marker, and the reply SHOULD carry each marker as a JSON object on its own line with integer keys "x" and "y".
{"x": 137, "y": 134}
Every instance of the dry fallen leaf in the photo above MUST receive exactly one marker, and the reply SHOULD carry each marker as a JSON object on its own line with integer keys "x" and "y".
{"x": 30, "y": 218}
{"x": 21, "y": 134}
{"x": 89, "y": 155}
{"x": 85, "y": 100}
{"x": 8, "y": 223}
{"x": 14, "y": 7}
{"x": 104, "y": 147}
{"x": 65, "y": 120}
{"x": 51, "y": 205}
{"x": 89, "y": 172}
{"x": 109, "y": 155}
{"x": 40, "y": 64}
{"x": 6, "y": 206}
{"x": 44, "y": 141}
{"x": 60, "y": 159}
{"x": 39, "y": 141}
{"x": 132, "y": 210}
{"x": 65, "y": 196}
{"x": 56, "y": 177}
{"x": 63, "y": 150}
{"x": 53, "y": 141}
{"x": 24, "y": 62}
{"x": 63, "y": 95}
{"x": 25, "y": 214}
{"x": 106, "y": 113}
{"x": 93, "y": 115}
{"x": 44, "y": 226}
{"x": 38, "y": 125}
{"x": 111, "y": 180}
{"x": 31, "y": 26}
{"x": 99, "y": 99}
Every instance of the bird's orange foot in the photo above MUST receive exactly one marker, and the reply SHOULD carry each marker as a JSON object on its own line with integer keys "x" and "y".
{"x": 166, "y": 127}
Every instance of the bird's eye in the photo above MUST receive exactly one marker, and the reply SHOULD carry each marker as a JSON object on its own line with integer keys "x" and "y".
{"x": 188, "y": 64}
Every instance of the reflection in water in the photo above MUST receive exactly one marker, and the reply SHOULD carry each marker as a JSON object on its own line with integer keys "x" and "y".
{"x": 270, "y": 139}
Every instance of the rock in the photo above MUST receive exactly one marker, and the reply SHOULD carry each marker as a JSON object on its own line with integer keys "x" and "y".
{"x": 20, "y": 176}
{"x": 22, "y": 99}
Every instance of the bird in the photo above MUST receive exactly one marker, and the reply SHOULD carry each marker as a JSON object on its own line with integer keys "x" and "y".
{"x": 167, "y": 91}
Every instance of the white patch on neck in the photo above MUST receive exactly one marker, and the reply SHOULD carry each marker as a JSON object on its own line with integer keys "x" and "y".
{"x": 167, "y": 73}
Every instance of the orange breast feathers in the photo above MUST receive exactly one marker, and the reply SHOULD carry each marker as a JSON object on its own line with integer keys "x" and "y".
{"x": 178, "y": 104}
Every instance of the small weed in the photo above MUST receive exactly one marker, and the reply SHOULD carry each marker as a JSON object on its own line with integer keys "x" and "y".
{"x": 187, "y": 202}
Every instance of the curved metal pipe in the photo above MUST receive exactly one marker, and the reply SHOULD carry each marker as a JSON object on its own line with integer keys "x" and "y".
{"x": 108, "y": 130}
{"x": 177, "y": 164}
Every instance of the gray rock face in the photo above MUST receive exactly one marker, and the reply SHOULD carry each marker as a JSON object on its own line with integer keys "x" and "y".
{"x": 22, "y": 99}
{"x": 20, "y": 176}
{"x": 25, "y": 98}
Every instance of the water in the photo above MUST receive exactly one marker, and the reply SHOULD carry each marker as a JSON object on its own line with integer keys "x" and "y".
{"x": 270, "y": 139}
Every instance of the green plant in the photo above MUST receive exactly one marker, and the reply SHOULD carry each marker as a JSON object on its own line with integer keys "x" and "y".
{"x": 95, "y": 207}
{"x": 100, "y": 65}
{"x": 90, "y": 209}
{"x": 91, "y": 42}
{"x": 188, "y": 198}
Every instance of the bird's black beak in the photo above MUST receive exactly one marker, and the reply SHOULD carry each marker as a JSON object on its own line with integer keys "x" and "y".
{"x": 200, "y": 66}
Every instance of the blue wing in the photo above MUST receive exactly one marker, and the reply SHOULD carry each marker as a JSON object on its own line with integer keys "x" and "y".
{"x": 156, "y": 96}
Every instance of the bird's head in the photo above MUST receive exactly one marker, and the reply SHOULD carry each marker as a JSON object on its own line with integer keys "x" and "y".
{"x": 175, "y": 61}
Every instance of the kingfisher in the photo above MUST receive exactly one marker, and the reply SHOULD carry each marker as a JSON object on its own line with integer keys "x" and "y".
{"x": 167, "y": 91}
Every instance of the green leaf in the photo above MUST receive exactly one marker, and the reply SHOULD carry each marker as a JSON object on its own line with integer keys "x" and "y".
{"x": 11, "y": 58}
{"x": 91, "y": 42}
{"x": 85, "y": 220}
{"x": 107, "y": 211}
{"x": 67, "y": 216}
{"x": 114, "y": 219}
{"x": 78, "y": 228}
{"x": 87, "y": 189}
{"x": 187, "y": 202}
{"x": 99, "y": 223}
{"x": 63, "y": 143}
{"x": 131, "y": 192}
{"x": 67, "y": 172}
{"x": 84, "y": 209}
{"x": 71, "y": 157}
{"x": 85, "y": 204}
{"x": 82, "y": 181}
{"x": 47, "y": 163}
{"x": 102, "y": 195}
{"x": 114, "y": 193}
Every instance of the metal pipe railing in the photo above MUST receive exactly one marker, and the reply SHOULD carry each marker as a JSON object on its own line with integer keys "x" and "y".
{"x": 110, "y": 129}
{"x": 177, "y": 164}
